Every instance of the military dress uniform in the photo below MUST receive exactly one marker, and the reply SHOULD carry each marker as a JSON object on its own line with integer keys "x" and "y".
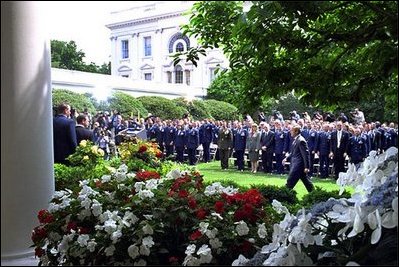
{"x": 240, "y": 140}
{"x": 225, "y": 143}
{"x": 323, "y": 147}
{"x": 192, "y": 144}
{"x": 356, "y": 150}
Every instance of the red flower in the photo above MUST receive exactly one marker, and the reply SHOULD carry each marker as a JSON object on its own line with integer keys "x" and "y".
{"x": 39, "y": 252}
{"x": 99, "y": 184}
{"x": 219, "y": 207}
{"x": 38, "y": 234}
{"x": 83, "y": 230}
{"x": 201, "y": 213}
{"x": 183, "y": 193}
{"x": 192, "y": 203}
{"x": 194, "y": 236}
{"x": 146, "y": 175}
{"x": 142, "y": 148}
{"x": 159, "y": 154}
{"x": 45, "y": 216}
{"x": 72, "y": 226}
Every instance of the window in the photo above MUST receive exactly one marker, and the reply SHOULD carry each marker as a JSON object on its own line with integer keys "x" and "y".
{"x": 178, "y": 74}
{"x": 147, "y": 46}
{"x": 125, "y": 76}
{"x": 179, "y": 47}
{"x": 148, "y": 76}
{"x": 169, "y": 75}
{"x": 178, "y": 37}
{"x": 187, "y": 72}
{"x": 125, "y": 49}
{"x": 212, "y": 74}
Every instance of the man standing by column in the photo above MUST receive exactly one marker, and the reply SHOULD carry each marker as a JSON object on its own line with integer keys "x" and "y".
{"x": 64, "y": 134}
{"x": 299, "y": 158}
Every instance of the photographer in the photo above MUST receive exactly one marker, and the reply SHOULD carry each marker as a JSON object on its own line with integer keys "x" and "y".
{"x": 358, "y": 117}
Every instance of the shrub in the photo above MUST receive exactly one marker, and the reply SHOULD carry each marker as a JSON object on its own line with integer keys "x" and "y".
{"x": 127, "y": 105}
{"x": 221, "y": 110}
{"x": 282, "y": 194}
{"x": 162, "y": 107}
{"x": 227, "y": 183}
{"x": 321, "y": 195}
{"x": 195, "y": 108}
{"x": 75, "y": 100}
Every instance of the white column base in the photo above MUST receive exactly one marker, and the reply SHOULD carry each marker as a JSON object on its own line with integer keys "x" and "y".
{"x": 26, "y": 260}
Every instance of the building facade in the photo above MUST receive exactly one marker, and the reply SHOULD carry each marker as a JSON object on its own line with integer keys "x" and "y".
{"x": 144, "y": 39}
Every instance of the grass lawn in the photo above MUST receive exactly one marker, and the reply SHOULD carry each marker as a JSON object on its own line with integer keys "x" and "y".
{"x": 213, "y": 172}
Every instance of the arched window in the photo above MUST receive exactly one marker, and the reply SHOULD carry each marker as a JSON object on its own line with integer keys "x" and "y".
{"x": 179, "y": 47}
{"x": 178, "y": 74}
{"x": 178, "y": 37}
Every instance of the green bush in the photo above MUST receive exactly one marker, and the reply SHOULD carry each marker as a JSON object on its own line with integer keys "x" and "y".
{"x": 321, "y": 195}
{"x": 195, "y": 108}
{"x": 127, "y": 105}
{"x": 75, "y": 100}
{"x": 226, "y": 183}
{"x": 162, "y": 107}
{"x": 282, "y": 194}
{"x": 221, "y": 110}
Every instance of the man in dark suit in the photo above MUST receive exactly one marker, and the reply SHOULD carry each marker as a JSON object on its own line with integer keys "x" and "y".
{"x": 267, "y": 144}
{"x": 338, "y": 144}
{"x": 299, "y": 158}
{"x": 64, "y": 139}
{"x": 82, "y": 133}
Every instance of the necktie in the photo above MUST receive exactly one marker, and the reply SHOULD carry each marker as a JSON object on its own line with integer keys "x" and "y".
{"x": 338, "y": 138}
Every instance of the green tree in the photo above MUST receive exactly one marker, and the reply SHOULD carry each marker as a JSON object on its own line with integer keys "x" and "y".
{"x": 65, "y": 55}
{"x": 127, "y": 105}
{"x": 329, "y": 52}
{"x": 77, "y": 101}
{"x": 162, "y": 107}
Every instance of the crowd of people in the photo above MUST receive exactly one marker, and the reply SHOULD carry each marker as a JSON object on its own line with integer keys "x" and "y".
{"x": 263, "y": 145}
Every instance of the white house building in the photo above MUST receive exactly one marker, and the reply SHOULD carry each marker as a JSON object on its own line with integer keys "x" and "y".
{"x": 144, "y": 38}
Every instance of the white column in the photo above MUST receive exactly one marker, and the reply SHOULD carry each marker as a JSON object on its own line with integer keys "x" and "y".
{"x": 27, "y": 182}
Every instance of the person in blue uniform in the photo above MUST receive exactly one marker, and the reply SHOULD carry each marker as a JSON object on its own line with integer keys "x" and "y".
{"x": 356, "y": 149}
{"x": 170, "y": 135}
{"x": 206, "y": 139}
{"x": 312, "y": 141}
{"x": 180, "y": 143}
{"x": 323, "y": 150}
{"x": 192, "y": 143}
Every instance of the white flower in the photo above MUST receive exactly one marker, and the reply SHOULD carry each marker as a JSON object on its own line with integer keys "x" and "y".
{"x": 217, "y": 215}
{"x": 262, "y": 230}
{"x": 129, "y": 218}
{"x": 91, "y": 246}
{"x": 390, "y": 218}
{"x": 190, "y": 260}
{"x": 152, "y": 184}
{"x": 110, "y": 226}
{"x": 109, "y": 251}
{"x": 205, "y": 254}
{"x": 240, "y": 261}
{"x": 120, "y": 176}
{"x": 203, "y": 227}
{"x": 96, "y": 208}
{"x": 190, "y": 249}
{"x": 147, "y": 229}
{"x": 211, "y": 233}
{"x": 145, "y": 194}
{"x": 279, "y": 207}
{"x": 144, "y": 250}
{"x": 105, "y": 178}
{"x": 123, "y": 168}
{"x": 140, "y": 262}
{"x": 82, "y": 240}
{"x": 242, "y": 228}
{"x": 148, "y": 241}
{"x": 148, "y": 216}
{"x": 133, "y": 251}
{"x": 115, "y": 236}
{"x": 173, "y": 174}
{"x": 215, "y": 243}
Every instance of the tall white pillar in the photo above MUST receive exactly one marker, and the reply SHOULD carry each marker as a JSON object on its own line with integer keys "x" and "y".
{"x": 27, "y": 181}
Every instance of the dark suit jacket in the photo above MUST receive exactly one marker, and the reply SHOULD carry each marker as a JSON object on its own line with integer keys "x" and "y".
{"x": 343, "y": 144}
{"x": 299, "y": 155}
{"x": 268, "y": 141}
{"x": 83, "y": 134}
{"x": 64, "y": 138}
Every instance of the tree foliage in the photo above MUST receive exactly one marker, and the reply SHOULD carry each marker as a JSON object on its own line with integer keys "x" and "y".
{"x": 330, "y": 52}
{"x": 65, "y": 55}
{"x": 77, "y": 101}
{"x": 127, "y": 105}
{"x": 220, "y": 110}
{"x": 162, "y": 107}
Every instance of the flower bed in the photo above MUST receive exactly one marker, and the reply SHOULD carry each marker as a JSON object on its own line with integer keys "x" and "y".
{"x": 128, "y": 218}
{"x": 360, "y": 230}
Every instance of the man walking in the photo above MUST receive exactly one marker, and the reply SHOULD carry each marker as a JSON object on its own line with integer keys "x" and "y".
{"x": 299, "y": 158}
